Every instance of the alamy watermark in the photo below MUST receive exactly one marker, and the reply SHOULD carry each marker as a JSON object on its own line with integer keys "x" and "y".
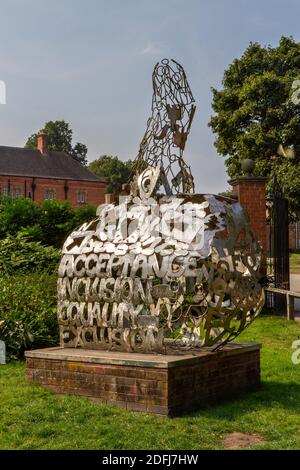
{"x": 296, "y": 353}
{"x": 296, "y": 93}
{"x": 2, "y": 92}
{"x": 296, "y": 100}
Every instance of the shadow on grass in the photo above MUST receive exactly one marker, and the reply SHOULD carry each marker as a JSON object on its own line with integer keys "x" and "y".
{"x": 269, "y": 395}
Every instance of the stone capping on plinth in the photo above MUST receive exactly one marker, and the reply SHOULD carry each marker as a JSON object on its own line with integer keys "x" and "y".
{"x": 159, "y": 361}
{"x": 250, "y": 179}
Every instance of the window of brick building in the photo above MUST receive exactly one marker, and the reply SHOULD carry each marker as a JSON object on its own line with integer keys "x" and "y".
{"x": 16, "y": 191}
{"x": 5, "y": 191}
{"x": 49, "y": 194}
{"x": 81, "y": 197}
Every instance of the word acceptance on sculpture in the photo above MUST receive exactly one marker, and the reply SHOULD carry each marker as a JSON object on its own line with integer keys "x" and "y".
{"x": 159, "y": 265}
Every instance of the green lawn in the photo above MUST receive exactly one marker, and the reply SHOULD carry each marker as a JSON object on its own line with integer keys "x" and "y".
{"x": 33, "y": 418}
{"x": 295, "y": 263}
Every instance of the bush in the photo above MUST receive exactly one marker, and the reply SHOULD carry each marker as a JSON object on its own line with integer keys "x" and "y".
{"x": 56, "y": 221}
{"x": 28, "y": 312}
{"x": 29, "y": 260}
{"x": 17, "y": 254}
{"x": 15, "y": 214}
{"x": 49, "y": 223}
{"x": 83, "y": 214}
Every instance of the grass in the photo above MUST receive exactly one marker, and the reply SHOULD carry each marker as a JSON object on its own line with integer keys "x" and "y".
{"x": 295, "y": 263}
{"x": 33, "y": 418}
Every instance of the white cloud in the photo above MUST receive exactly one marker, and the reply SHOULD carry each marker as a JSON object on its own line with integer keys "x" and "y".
{"x": 151, "y": 49}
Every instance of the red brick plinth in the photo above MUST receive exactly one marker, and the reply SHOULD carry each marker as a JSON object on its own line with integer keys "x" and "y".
{"x": 160, "y": 384}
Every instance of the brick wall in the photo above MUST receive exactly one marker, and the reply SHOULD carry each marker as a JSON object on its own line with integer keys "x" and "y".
{"x": 221, "y": 378}
{"x": 155, "y": 384}
{"x": 20, "y": 186}
{"x": 251, "y": 194}
{"x": 133, "y": 388}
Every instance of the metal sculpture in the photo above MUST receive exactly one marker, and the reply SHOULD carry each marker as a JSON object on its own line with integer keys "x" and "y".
{"x": 168, "y": 128}
{"x": 154, "y": 266}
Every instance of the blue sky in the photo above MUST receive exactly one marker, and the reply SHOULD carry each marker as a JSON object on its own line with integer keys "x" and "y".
{"x": 90, "y": 62}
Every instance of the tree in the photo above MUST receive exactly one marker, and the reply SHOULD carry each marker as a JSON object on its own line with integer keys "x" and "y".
{"x": 59, "y": 138}
{"x": 257, "y": 110}
{"x": 113, "y": 170}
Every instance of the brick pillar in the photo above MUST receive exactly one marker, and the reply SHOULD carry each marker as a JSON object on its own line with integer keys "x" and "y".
{"x": 109, "y": 198}
{"x": 251, "y": 193}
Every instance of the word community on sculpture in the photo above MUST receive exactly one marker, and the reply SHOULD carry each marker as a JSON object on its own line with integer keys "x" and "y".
{"x": 157, "y": 266}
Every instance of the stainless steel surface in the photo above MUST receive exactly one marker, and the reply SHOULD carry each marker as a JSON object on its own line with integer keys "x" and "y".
{"x": 158, "y": 265}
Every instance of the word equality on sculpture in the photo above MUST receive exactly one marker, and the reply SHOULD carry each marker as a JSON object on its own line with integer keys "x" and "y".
{"x": 163, "y": 261}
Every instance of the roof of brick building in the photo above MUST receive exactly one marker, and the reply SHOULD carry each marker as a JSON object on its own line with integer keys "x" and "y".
{"x": 16, "y": 161}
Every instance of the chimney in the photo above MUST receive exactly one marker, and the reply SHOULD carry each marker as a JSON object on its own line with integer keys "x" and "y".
{"x": 41, "y": 141}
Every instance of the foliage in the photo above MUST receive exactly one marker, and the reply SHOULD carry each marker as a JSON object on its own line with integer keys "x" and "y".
{"x": 59, "y": 137}
{"x": 56, "y": 220}
{"x": 16, "y": 213}
{"x": 16, "y": 338}
{"x": 83, "y": 214}
{"x": 115, "y": 171}
{"x": 229, "y": 193}
{"x": 20, "y": 255}
{"x": 28, "y": 311}
{"x": 79, "y": 153}
{"x": 34, "y": 418}
{"x": 49, "y": 222}
{"x": 255, "y": 113}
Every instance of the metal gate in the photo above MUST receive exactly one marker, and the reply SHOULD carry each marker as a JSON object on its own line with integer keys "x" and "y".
{"x": 278, "y": 256}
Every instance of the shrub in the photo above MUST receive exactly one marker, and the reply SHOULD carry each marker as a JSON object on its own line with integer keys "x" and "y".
{"x": 28, "y": 312}
{"x": 17, "y": 213}
{"x": 56, "y": 220}
{"x": 17, "y": 254}
{"x": 49, "y": 223}
{"x": 83, "y": 214}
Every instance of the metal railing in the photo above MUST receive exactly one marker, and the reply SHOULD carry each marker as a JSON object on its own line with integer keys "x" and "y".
{"x": 290, "y": 299}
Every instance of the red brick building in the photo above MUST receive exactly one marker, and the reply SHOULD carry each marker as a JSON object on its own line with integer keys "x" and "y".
{"x": 41, "y": 174}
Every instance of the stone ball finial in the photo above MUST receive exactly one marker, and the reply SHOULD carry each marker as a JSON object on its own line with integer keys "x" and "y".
{"x": 248, "y": 166}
